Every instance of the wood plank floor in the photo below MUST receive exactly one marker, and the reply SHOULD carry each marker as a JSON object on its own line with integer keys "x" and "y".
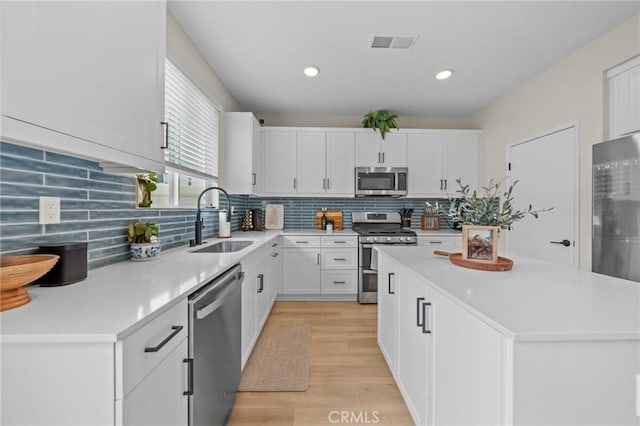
{"x": 347, "y": 376}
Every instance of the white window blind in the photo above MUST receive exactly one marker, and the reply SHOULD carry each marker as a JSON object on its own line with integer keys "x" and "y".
{"x": 193, "y": 126}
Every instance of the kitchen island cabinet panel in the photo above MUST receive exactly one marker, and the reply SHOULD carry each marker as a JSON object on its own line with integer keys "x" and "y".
{"x": 540, "y": 344}
{"x": 74, "y": 81}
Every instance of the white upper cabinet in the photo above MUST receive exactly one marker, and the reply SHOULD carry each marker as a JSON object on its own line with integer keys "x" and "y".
{"x": 280, "y": 157}
{"x": 312, "y": 162}
{"x": 624, "y": 98}
{"x": 373, "y": 151}
{"x": 242, "y": 154}
{"x": 437, "y": 159}
{"x": 340, "y": 163}
{"x": 86, "y": 78}
{"x": 308, "y": 162}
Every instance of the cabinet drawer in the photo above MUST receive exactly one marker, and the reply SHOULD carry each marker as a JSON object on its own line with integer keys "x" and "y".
{"x": 301, "y": 241}
{"x": 147, "y": 347}
{"x": 339, "y": 282}
{"x": 339, "y": 258}
{"x": 435, "y": 241}
{"x": 339, "y": 241}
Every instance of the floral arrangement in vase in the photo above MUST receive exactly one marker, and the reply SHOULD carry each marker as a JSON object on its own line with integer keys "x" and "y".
{"x": 482, "y": 215}
{"x": 143, "y": 240}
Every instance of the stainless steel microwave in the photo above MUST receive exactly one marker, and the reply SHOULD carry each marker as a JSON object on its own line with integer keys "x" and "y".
{"x": 381, "y": 181}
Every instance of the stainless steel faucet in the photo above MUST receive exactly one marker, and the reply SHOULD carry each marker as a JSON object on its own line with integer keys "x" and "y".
{"x": 198, "y": 224}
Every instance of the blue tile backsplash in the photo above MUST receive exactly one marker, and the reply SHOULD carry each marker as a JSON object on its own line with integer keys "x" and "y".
{"x": 97, "y": 207}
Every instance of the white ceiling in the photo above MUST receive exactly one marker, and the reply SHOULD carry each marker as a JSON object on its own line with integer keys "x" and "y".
{"x": 259, "y": 50}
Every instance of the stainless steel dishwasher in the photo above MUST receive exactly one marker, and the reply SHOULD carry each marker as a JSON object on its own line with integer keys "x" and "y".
{"x": 214, "y": 348}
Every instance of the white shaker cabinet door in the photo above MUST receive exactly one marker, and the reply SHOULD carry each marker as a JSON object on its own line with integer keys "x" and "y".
{"x": 414, "y": 372}
{"x": 368, "y": 153}
{"x": 159, "y": 400}
{"x": 624, "y": 99}
{"x": 86, "y": 78}
{"x": 394, "y": 150}
{"x": 280, "y": 156}
{"x": 340, "y": 163}
{"x": 311, "y": 163}
{"x": 302, "y": 271}
{"x": 424, "y": 160}
{"x": 460, "y": 156}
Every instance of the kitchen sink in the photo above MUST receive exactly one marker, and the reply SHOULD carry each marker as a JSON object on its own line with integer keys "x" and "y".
{"x": 224, "y": 247}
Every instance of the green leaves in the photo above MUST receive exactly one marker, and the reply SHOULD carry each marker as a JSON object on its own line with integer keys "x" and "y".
{"x": 470, "y": 208}
{"x": 381, "y": 120}
{"x": 141, "y": 232}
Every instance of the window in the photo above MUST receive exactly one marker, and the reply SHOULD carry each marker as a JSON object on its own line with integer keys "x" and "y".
{"x": 192, "y": 155}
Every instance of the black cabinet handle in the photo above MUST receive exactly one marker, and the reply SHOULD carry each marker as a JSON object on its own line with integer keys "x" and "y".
{"x": 441, "y": 182}
{"x": 418, "y": 311}
{"x": 565, "y": 243}
{"x": 425, "y": 325}
{"x": 166, "y": 135}
{"x": 189, "y": 362}
{"x": 339, "y": 282}
{"x": 253, "y": 178}
{"x": 176, "y": 329}
{"x": 389, "y": 281}
{"x": 260, "y": 283}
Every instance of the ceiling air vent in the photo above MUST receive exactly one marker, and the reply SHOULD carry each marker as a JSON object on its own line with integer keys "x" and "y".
{"x": 391, "y": 42}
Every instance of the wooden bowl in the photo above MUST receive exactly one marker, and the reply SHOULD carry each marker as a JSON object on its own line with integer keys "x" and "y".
{"x": 18, "y": 271}
{"x": 502, "y": 265}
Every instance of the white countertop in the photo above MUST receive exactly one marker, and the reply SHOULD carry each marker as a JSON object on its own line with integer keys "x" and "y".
{"x": 441, "y": 232}
{"x": 535, "y": 301}
{"x": 115, "y": 300}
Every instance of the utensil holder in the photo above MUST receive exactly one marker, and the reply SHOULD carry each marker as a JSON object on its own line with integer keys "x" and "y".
{"x": 430, "y": 223}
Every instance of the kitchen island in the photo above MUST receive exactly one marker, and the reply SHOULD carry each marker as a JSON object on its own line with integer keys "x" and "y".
{"x": 540, "y": 344}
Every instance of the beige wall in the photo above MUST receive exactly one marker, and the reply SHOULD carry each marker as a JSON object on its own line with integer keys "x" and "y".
{"x": 355, "y": 121}
{"x": 182, "y": 52}
{"x": 570, "y": 91}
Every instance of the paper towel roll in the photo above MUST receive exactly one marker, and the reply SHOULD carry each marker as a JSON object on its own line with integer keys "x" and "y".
{"x": 224, "y": 227}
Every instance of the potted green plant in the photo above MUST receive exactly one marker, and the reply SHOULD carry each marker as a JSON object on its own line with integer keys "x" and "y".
{"x": 485, "y": 209}
{"x": 143, "y": 240}
{"x": 381, "y": 120}
{"x": 482, "y": 215}
{"x": 146, "y": 183}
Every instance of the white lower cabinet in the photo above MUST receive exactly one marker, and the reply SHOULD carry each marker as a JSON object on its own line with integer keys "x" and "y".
{"x": 447, "y": 363}
{"x": 136, "y": 381}
{"x": 315, "y": 265}
{"x": 259, "y": 289}
{"x": 155, "y": 400}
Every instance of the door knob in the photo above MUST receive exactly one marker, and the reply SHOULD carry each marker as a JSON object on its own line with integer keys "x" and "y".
{"x": 565, "y": 243}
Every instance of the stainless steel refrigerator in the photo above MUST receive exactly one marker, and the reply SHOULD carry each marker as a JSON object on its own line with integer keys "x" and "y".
{"x": 616, "y": 208}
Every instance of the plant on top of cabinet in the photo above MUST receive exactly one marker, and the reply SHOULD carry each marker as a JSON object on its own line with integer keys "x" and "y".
{"x": 143, "y": 240}
{"x": 146, "y": 183}
{"x": 471, "y": 208}
{"x": 381, "y": 120}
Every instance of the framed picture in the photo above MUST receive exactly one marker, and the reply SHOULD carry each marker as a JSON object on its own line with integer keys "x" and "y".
{"x": 480, "y": 243}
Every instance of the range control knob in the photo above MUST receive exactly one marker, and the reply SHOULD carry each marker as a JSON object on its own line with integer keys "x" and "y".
{"x": 388, "y": 238}
{"x": 401, "y": 238}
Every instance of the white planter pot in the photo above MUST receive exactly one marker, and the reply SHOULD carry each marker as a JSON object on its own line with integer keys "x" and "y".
{"x": 146, "y": 251}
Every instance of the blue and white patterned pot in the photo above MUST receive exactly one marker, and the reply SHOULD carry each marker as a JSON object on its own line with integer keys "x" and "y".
{"x": 147, "y": 251}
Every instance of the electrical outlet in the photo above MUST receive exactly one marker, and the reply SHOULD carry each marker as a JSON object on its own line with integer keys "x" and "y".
{"x": 49, "y": 210}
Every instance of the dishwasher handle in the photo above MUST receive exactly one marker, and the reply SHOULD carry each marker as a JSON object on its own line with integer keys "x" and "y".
{"x": 219, "y": 301}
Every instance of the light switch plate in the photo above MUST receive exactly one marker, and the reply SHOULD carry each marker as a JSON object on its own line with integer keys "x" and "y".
{"x": 49, "y": 210}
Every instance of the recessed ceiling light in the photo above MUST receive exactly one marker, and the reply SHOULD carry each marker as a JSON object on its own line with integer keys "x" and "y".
{"x": 444, "y": 74}
{"x": 311, "y": 71}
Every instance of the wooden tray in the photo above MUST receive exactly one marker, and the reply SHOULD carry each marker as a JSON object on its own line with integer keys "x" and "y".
{"x": 504, "y": 264}
{"x": 334, "y": 215}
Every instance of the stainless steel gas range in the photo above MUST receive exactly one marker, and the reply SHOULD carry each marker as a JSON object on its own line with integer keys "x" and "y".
{"x": 376, "y": 228}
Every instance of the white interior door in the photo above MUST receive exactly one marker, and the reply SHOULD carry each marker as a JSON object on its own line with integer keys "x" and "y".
{"x": 546, "y": 170}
